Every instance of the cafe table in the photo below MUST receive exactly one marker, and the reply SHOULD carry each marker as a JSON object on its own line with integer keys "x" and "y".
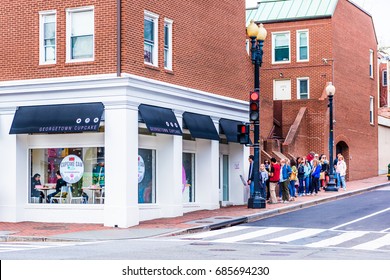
{"x": 94, "y": 189}
{"x": 44, "y": 188}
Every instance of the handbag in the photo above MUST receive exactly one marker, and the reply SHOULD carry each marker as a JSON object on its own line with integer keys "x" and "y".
{"x": 322, "y": 175}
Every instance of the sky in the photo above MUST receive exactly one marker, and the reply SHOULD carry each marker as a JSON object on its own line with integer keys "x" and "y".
{"x": 379, "y": 10}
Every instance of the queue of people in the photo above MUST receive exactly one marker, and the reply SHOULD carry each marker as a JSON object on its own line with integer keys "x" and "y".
{"x": 286, "y": 180}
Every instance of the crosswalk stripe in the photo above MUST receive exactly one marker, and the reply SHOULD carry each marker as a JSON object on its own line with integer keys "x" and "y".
{"x": 337, "y": 239}
{"x": 218, "y": 232}
{"x": 297, "y": 235}
{"x": 374, "y": 244}
{"x": 249, "y": 235}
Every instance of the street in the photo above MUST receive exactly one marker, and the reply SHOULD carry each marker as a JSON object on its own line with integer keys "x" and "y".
{"x": 353, "y": 228}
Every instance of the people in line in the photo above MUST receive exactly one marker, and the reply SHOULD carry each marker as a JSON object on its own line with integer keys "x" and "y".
{"x": 301, "y": 176}
{"x": 293, "y": 179}
{"x": 315, "y": 176}
{"x": 274, "y": 177}
{"x": 341, "y": 168}
{"x": 310, "y": 173}
{"x": 324, "y": 175}
{"x": 263, "y": 181}
{"x": 268, "y": 169}
{"x": 337, "y": 174}
{"x": 285, "y": 172}
{"x": 251, "y": 174}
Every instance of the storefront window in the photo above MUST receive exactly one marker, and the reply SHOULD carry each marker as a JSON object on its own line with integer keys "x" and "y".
{"x": 146, "y": 176}
{"x": 81, "y": 169}
{"x": 188, "y": 177}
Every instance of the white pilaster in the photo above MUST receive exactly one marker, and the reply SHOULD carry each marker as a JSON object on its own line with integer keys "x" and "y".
{"x": 169, "y": 172}
{"x": 121, "y": 167}
{"x": 207, "y": 174}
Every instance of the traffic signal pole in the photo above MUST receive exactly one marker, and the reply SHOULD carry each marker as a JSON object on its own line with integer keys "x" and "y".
{"x": 256, "y": 201}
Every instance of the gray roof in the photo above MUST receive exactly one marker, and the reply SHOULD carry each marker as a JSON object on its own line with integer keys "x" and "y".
{"x": 281, "y": 10}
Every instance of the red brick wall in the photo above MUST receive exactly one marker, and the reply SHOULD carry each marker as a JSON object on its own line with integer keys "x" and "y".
{"x": 19, "y": 21}
{"x": 339, "y": 38}
{"x": 208, "y": 43}
{"x": 354, "y": 87}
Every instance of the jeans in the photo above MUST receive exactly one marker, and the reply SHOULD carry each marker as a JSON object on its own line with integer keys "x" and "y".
{"x": 342, "y": 182}
{"x": 291, "y": 188}
{"x": 301, "y": 188}
{"x": 337, "y": 175}
{"x": 252, "y": 188}
{"x": 263, "y": 190}
{"x": 307, "y": 184}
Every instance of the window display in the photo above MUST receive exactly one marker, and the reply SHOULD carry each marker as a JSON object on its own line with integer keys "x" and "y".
{"x": 81, "y": 168}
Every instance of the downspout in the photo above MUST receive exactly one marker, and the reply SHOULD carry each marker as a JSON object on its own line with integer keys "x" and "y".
{"x": 119, "y": 39}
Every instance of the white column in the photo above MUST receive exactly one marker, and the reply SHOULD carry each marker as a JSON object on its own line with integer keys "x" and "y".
{"x": 207, "y": 174}
{"x": 14, "y": 169}
{"x": 121, "y": 166}
{"x": 169, "y": 172}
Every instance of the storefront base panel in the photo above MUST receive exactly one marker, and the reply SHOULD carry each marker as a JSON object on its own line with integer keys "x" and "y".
{"x": 87, "y": 214}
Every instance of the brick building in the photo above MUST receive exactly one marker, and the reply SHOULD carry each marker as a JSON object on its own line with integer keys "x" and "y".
{"x": 309, "y": 44}
{"x": 136, "y": 103}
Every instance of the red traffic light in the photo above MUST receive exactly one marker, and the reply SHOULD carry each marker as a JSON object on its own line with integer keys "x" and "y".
{"x": 254, "y": 96}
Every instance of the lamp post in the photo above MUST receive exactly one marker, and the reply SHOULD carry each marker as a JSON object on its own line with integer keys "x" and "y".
{"x": 331, "y": 185}
{"x": 257, "y": 34}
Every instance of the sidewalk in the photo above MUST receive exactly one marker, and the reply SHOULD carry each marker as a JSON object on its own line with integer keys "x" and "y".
{"x": 195, "y": 221}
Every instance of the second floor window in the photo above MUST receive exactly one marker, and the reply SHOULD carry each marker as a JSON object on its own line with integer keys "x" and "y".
{"x": 80, "y": 34}
{"x": 151, "y": 38}
{"x": 281, "y": 47}
{"x": 47, "y": 38}
{"x": 168, "y": 44}
{"x": 302, "y": 45}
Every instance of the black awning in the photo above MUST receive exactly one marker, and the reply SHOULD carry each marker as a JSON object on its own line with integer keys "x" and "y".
{"x": 63, "y": 118}
{"x": 229, "y": 128}
{"x": 200, "y": 126}
{"x": 160, "y": 120}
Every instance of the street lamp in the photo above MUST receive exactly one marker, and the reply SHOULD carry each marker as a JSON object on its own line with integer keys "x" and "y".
{"x": 257, "y": 34}
{"x": 331, "y": 185}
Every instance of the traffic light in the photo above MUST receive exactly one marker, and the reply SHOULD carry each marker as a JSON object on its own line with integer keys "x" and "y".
{"x": 254, "y": 111}
{"x": 243, "y": 133}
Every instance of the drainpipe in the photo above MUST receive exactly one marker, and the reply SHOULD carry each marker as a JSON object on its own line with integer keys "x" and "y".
{"x": 118, "y": 43}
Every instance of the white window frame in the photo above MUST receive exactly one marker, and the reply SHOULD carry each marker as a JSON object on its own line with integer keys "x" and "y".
{"x": 69, "y": 12}
{"x": 273, "y": 47}
{"x": 155, "y": 18}
{"x": 384, "y": 78}
{"x": 299, "y": 87}
{"x": 298, "y": 45}
{"x": 372, "y": 110}
{"x": 168, "y": 50}
{"x": 42, "y": 59}
{"x": 371, "y": 63}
